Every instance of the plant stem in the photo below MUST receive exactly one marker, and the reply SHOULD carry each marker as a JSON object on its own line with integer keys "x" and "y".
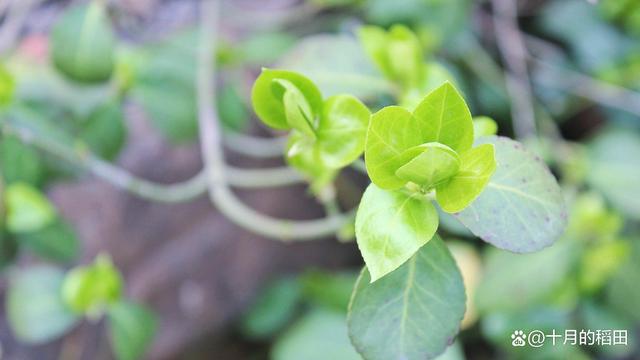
{"x": 170, "y": 193}
{"x": 255, "y": 146}
{"x": 210, "y": 142}
{"x": 514, "y": 53}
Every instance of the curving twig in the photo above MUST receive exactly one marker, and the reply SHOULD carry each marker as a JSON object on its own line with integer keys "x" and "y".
{"x": 210, "y": 142}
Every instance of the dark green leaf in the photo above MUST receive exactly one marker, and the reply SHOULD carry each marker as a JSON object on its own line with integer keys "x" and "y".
{"x": 104, "y": 131}
{"x": 272, "y": 310}
{"x": 412, "y": 313}
{"x": 331, "y": 290}
{"x": 83, "y": 43}
{"x": 57, "y": 241}
{"x": 131, "y": 329}
{"x": 19, "y": 163}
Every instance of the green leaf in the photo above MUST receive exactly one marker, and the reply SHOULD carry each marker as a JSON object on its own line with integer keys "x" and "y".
{"x": 330, "y": 290}
{"x": 391, "y": 226}
{"x": 269, "y": 106}
{"x": 478, "y": 164}
{"x": 272, "y": 310}
{"x": 19, "y": 163}
{"x": 7, "y": 86}
{"x": 342, "y": 130}
{"x": 412, "y": 313}
{"x": 296, "y": 107}
{"x": 34, "y": 308}
{"x": 83, "y": 43}
{"x": 397, "y": 53}
{"x": 90, "y": 289}
{"x": 319, "y": 335}
{"x": 8, "y": 249}
{"x": 623, "y": 292}
{"x": 391, "y": 132}
{"x": 508, "y": 282}
{"x": 165, "y": 86}
{"x": 444, "y": 117}
{"x": 343, "y": 70}
{"x": 232, "y": 109}
{"x": 131, "y": 328}
{"x": 614, "y": 167}
{"x": 484, "y": 126}
{"x": 522, "y": 208}
{"x": 57, "y": 241}
{"x": 104, "y": 131}
{"x": 436, "y": 163}
{"x": 27, "y": 209}
{"x": 302, "y": 155}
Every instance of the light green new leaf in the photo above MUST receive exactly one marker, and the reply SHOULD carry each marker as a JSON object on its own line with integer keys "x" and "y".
{"x": 522, "y": 209}
{"x": 405, "y": 56}
{"x": 27, "y": 209}
{"x": 131, "y": 328}
{"x": 7, "y": 86}
{"x": 413, "y": 313}
{"x": 445, "y": 118}
{"x": 296, "y": 108}
{"x": 375, "y": 42}
{"x": 83, "y": 43}
{"x": 391, "y": 226}
{"x": 302, "y": 154}
{"x": 484, "y": 126}
{"x": 478, "y": 164}
{"x": 269, "y": 106}
{"x": 437, "y": 163}
{"x": 391, "y": 132}
{"x": 90, "y": 289}
{"x": 342, "y": 130}
{"x": 34, "y": 307}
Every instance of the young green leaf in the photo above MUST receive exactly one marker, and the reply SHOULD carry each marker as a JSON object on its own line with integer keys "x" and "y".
{"x": 405, "y": 56}
{"x": 34, "y": 307}
{"x": 391, "y": 132}
{"x": 83, "y": 43}
{"x": 27, "y": 209}
{"x": 484, "y": 126}
{"x": 414, "y": 312}
{"x": 302, "y": 154}
{"x": 391, "y": 226}
{"x": 7, "y": 86}
{"x": 437, "y": 163}
{"x": 375, "y": 42}
{"x": 444, "y": 117}
{"x": 522, "y": 208}
{"x": 131, "y": 329}
{"x": 342, "y": 130}
{"x": 478, "y": 164}
{"x": 91, "y": 289}
{"x": 270, "y": 107}
{"x": 297, "y": 110}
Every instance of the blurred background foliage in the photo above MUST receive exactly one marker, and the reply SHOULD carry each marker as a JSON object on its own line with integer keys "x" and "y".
{"x": 71, "y": 72}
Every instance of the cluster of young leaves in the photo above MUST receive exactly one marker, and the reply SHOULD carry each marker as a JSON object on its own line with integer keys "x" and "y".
{"x": 92, "y": 291}
{"x": 326, "y": 134}
{"x": 580, "y": 282}
{"x": 399, "y": 56}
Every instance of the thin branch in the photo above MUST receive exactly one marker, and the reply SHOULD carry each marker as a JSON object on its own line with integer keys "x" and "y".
{"x": 255, "y": 146}
{"x": 580, "y": 84}
{"x": 514, "y": 53}
{"x": 179, "y": 192}
{"x": 210, "y": 141}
